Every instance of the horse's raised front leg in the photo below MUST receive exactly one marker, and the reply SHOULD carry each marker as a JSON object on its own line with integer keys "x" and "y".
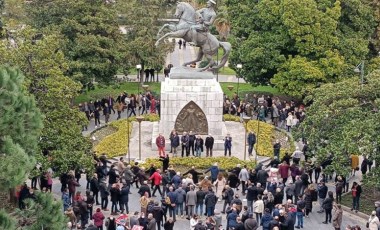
{"x": 162, "y": 28}
{"x": 199, "y": 57}
{"x": 175, "y": 34}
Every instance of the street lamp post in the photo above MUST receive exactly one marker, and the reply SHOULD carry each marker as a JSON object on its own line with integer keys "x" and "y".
{"x": 360, "y": 69}
{"x": 239, "y": 66}
{"x": 138, "y": 67}
{"x": 128, "y": 152}
{"x": 257, "y": 142}
{"x": 140, "y": 119}
{"x": 245, "y": 119}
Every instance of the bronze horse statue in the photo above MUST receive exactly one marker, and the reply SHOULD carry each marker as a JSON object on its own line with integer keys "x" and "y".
{"x": 207, "y": 42}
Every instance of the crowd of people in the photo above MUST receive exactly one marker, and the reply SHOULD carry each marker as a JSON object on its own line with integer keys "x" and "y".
{"x": 283, "y": 114}
{"x": 132, "y": 104}
{"x": 280, "y": 195}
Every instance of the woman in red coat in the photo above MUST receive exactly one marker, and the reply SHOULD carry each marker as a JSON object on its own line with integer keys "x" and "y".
{"x": 153, "y": 105}
{"x": 98, "y": 218}
{"x": 283, "y": 170}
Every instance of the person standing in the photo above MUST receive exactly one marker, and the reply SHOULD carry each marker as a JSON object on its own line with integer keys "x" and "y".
{"x": 244, "y": 178}
{"x": 373, "y": 221}
{"x": 180, "y": 43}
{"x": 258, "y": 208}
{"x": 98, "y": 219}
{"x": 191, "y": 200}
{"x": 174, "y": 142}
{"x": 151, "y": 222}
{"x": 356, "y": 190}
{"x": 251, "y": 139}
{"x": 191, "y": 141}
{"x": 327, "y": 206}
{"x": 158, "y": 214}
{"x": 124, "y": 198}
{"x": 171, "y": 135}
{"x": 283, "y": 170}
{"x": 322, "y": 193}
{"x": 276, "y": 149}
{"x": 209, "y": 143}
{"x": 185, "y": 144}
{"x": 227, "y": 145}
{"x": 210, "y": 202}
{"x": 97, "y": 117}
{"x": 160, "y": 142}
{"x": 337, "y": 217}
{"x": 297, "y": 154}
{"x": 172, "y": 195}
{"x": 364, "y": 165}
{"x": 198, "y": 146}
{"x": 106, "y": 113}
{"x": 300, "y": 211}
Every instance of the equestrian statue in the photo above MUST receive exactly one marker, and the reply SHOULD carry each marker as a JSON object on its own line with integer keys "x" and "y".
{"x": 193, "y": 26}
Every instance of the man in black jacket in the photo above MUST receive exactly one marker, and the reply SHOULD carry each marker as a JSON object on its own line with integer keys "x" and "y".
{"x": 185, "y": 144}
{"x": 322, "y": 193}
{"x": 288, "y": 223}
{"x": 193, "y": 173}
{"x": 209, "y": 143}
{"x": 191, "y": 142}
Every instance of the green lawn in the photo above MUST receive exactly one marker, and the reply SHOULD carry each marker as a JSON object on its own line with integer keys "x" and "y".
{"x": 366, "y": 204}
{"x": 155, "y": 87}
{"x": 115, "y": 90}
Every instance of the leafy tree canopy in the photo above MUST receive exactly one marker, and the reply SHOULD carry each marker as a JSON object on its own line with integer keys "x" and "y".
{"x": 343, "y": 120}
{"x": 274, "y": 39}
{"x": 92, "y": 41}
{"x": 44, "y": 65}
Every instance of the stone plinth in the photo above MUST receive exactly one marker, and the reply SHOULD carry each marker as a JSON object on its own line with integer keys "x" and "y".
{"x": 184, "y": 86}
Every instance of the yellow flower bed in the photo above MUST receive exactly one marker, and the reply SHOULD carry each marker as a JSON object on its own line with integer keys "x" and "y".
{"x": 266, "y": 139}
{"x": 229, "y": 117}
{"x": 116, "y": 144}
{"x": 226, "y": 163}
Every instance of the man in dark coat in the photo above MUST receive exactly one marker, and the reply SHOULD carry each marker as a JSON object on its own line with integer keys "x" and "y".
{"x": 250, "y": 223}
{"x": 158, "y": 214}
{"x": 251, "y": 139}
{"x": 144, "y": 188}
{"x": 165, "y": 162}
{"x": 191, "y": 142}
{"x": 209, "y": 143}
{"x": 262, "y": 176}
{"x": 174, "y": 142}
{"x": 185, "y": 144}
{"x": 210, "y": 202}
{"x": 193, "y": 173}
{"x": 124, "y": 198}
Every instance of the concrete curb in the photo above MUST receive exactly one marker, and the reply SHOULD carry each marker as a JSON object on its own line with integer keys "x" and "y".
{"x": 359, "y": 214}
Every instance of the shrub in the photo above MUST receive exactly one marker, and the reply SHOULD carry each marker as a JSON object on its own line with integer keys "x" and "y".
{"x": 267, "y": 135}
{"x": 229, "y": 117}
{"x": 226, "y": 163}
{"x": 116, "y": 144}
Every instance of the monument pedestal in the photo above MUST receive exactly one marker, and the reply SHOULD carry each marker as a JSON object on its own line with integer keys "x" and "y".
{"x": 191, "y": 101}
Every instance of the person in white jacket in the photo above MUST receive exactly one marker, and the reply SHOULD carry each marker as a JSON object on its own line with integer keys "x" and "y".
{"x": 258, "y": 209}
{"x": 373, "y": 221}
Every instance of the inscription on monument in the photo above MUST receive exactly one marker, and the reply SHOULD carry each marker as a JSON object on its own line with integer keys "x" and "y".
{"x": 191, "y": 118}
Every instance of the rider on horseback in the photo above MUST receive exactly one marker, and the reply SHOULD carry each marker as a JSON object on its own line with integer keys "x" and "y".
{"x": 206, "y": 19}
